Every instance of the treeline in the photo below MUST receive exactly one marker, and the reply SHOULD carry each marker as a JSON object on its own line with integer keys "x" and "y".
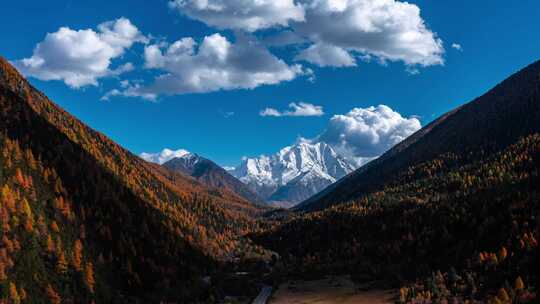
{"x": 455, "y": 228}
{"x": 84, "y": 220}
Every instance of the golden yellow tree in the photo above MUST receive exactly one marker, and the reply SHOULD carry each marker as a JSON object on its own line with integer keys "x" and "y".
{"x": 20, "y": 178}
{"x": 89, "y": 277}
{"x": 25, "y": 208}
{"x": 77, "y": 255}
{"x": 14, "y": 294}
{"x": 29, "y": 225}
{"x": 3, "y": 275}
{"x": 54, "y": 226}
{"x": 7, "y": 198}
{"x": 61, "y": 263}
{"x": 50, "y": 244}
{"x": 503, "y": 296}
{"x": 22, "y": 294}
{"x": 53, "y": 296}
{"x": 519, "y": 285}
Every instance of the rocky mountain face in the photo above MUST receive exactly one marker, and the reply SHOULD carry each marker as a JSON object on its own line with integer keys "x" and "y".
{"x": 211, "y": 174}
{"x": 295, "y": 173}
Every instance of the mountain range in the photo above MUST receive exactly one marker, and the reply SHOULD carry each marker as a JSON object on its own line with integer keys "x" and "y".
{"x": 212, "y": 175}
{"x": 451, "y": 214}
{"x": 295, "y": 173}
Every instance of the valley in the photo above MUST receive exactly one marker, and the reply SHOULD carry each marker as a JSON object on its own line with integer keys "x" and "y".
{"x": 332, "y": 290}
{"x": 450, "y": 214}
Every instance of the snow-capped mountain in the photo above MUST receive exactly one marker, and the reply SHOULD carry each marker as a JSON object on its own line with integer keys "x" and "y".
{"x": 295, "y": 173}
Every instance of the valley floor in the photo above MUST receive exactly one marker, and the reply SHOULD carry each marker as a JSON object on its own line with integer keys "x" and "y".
{"x": 330, "y": 290}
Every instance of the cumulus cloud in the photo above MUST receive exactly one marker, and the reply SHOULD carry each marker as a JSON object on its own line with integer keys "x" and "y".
{"x": 296, "y": 109}
{"x": 323, "y": 55}
{"x": 246, "y": 15}
{"x": 164, "y": 156}
{"x": 284, "y": 38}
{"x": 81, "y": 57}
{"x": 457, "y": 46}
{"x": 336, "y": 30}
{"x": 215, "y": 64}
{"x": 386, "y": 29}
{"x": 363, "y": 134}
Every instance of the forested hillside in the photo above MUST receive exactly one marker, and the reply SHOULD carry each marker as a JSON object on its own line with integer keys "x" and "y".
{"x": 83, "y": 220}
{"x": 490, "y": 123}
{"x": 451, "y": 214}
{"x": 212, "y": 175}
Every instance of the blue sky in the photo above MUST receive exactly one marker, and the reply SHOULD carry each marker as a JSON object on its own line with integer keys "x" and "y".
{"x": 497, "y": 38}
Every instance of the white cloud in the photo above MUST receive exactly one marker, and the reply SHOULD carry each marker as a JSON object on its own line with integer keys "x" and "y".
{"x": 338, "y": 30}
{"x": 412, "y": 70}
{"x": 216, "y": 64}
{"x": 164, "y": 156}
{"x": 129, "y": 89}
{"x": 457, "y": 46}
{"x": 284, "y": 38}
{"x": 245, "y": 15}
{"x": 81, "y": 57}
{"x": 364, "y": 134}
{"x": 228, "y": 114}
{"x": 386, "y": 29}
{"x": 296, "y": 109}
{"x": 324, "y": 55}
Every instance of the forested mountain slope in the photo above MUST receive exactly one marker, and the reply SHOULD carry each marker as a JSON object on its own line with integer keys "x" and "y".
{"x": 451, "y": 214}
{"x": 489, "y": 123}
{"x": 212, "y": 175}
{"x": 84, "y": 220}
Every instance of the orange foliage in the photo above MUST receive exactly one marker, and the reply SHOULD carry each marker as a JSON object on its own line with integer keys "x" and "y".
{"x": 77, "y": 255}
{"x": 53, "y": 296}
{"x": 89, "y": 276}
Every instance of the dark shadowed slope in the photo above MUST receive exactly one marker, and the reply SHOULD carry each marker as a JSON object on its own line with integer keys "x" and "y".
{"x": 451, "y": 214}
{"x": 491, "y": 122}
{"x": 212, "y": 175}
{"x": 82, "y": 219}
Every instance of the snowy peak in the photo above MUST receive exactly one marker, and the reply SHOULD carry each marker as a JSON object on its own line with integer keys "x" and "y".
{"x": 211, "y": 174}
{"x": 164, "y": 156}
{"x": 295, "y": 172}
